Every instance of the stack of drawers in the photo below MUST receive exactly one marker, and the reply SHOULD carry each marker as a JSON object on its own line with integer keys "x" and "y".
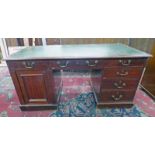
{"x": 120, "y": 80}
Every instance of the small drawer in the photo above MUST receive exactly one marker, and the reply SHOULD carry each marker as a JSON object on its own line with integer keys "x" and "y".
{"x": 119, "y": 84}
{"x": 116, "y": 96}
{"x": 80, "y": 64}
{"x": 124, "y": 72}
{"x": 124, "y": 62}
{"x": 28, "y": 64}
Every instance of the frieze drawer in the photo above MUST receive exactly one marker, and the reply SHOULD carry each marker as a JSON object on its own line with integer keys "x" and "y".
{"x": 28, "y": 64}
{"x": 124, "y": 62}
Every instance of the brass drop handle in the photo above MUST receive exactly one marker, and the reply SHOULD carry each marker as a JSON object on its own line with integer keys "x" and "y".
{"x": 29, "y": 64}
{"x": 63, "y": 65}
{"x": 120, "y": 84}
{"x": 125, "y": 62}
{"x": 92, "y": 64}
{"x": 116, "y": 98}
{"x": 123, "y": 73}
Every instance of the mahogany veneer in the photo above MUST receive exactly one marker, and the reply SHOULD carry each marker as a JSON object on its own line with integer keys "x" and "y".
{"x": 35, "y": 72}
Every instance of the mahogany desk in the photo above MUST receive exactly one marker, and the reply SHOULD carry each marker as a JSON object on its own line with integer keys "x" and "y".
{"x": 33, "y": 71}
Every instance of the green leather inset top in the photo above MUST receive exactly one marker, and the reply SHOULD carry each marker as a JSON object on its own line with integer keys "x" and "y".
{"x": 78, "y": 52}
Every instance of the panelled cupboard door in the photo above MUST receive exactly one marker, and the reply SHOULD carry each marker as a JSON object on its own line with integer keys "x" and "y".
{"x": 34, "y": 86}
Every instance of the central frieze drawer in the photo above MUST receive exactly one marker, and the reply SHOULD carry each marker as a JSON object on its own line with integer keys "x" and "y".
{"x": 117, "y": 96}
{"x": 126, "y": 72}
{"x": 119, "y": 84}
{"x": 62, "y": 64}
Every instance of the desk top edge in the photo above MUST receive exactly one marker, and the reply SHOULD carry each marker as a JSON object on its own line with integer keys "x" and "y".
{"x": 103, "y": 51}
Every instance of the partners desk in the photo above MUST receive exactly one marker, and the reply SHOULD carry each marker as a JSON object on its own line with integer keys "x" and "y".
{"x": 34, "y": 70}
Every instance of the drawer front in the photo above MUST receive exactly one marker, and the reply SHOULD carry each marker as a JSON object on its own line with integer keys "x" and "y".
{"x": 119, "y": 84}
{"x": 29, "y": 64}
{"x": 117, "y": 96}
{"x": 124, "y": 72}
{"x": 81, "y": 64}
{"x": 124, "y": 62}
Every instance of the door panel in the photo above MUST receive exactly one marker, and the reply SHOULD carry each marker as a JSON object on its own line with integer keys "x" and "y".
{"x": 34, "y": 86}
